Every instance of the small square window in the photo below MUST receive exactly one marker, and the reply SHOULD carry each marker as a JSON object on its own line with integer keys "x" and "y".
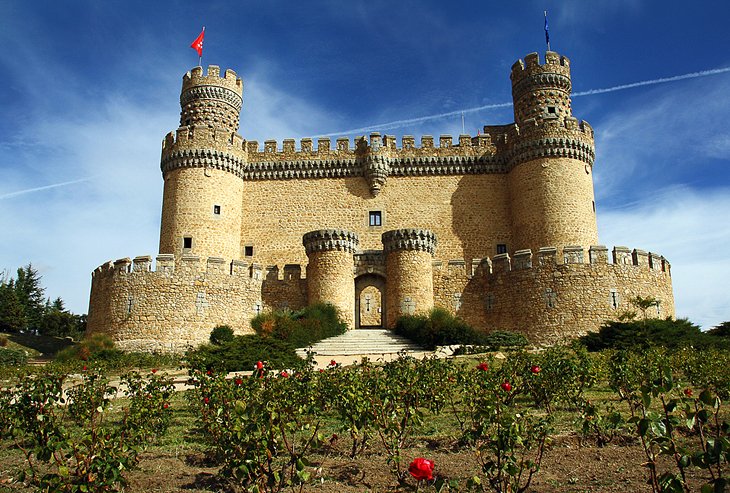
{"x": 248, "y": 251}
{"x": 217, "y": 210}
{"x": 376, "y": 218}
{"x": 187, "y": 242}
{"x": 552, "y": 110}
{"x": 501, "y": 248}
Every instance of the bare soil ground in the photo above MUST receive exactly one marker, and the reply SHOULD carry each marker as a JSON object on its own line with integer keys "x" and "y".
{"x": 567, "y": 467}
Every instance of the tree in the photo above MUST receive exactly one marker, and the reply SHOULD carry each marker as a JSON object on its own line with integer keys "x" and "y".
{"x": 12, "y": 314}
{"x": 31, "y": 295}
{"x": 722, "y": 330}
{"x": 60, "y": 323}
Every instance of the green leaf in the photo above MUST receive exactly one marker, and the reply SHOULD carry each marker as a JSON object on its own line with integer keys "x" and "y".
{"x": 707, "y": 398}
{"x": 643, "y": 426}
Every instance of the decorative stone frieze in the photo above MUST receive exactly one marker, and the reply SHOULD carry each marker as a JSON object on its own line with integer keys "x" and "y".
{"x": 330, "y": 239}
{"x": 409, "y": 239}
{"x": 218, "y": 93}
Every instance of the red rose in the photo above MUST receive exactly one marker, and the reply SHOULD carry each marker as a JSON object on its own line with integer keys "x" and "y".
{"x": 333, "y": 363}
{"x": 259, "y": 365}
{"x": 239, "y": 381}
{"x": 209, "y": 372}
{"x": 483, "y": 366}
{"x": 506, "y": 386}
{"x": 535, "y": 369}
{"x": 165, "y": 405}
{"x": 688, "y": 392}
{"x": 154, "y": 370}
{"x": 206, "y": 400}
{"x": 421, "y": 469}
{"x": 84, "y": 368}
{"x": 284, "y": 374}
{"x": 321, "y": 370}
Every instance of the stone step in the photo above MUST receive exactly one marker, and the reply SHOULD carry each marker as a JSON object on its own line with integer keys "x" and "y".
{"x": 363, "y": 341}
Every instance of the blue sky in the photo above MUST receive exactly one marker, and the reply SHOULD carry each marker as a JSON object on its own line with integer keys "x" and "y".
{"x": 90, "y": 88}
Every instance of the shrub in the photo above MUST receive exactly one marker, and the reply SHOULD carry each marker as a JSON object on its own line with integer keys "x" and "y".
{"x": 242, "y": 353}
{"x": 653, "y": 332}
{"x": 302, "y": 328}
{"x": 99, "y": 349}
{"x": 94, "y": 347}
{"x": 439, "y": 328}
{"x": 221, "y": 334}
{"x": 3, "y": 341}
{"x": 12, "y": 357}
{"x": 499, "y": 340}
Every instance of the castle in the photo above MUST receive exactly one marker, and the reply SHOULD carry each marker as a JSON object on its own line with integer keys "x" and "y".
{"x": 498, "y": 228}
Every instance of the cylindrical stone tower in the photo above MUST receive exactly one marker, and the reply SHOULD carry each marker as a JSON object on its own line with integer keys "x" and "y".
{"x": 409, "y": 272}
{"x": 202, "y": 165}
{"x": 330, "y": 272}
{"x": 551, "y": 161}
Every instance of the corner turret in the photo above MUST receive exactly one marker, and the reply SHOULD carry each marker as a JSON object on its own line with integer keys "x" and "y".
{"x": 202, "y": 164}
{"x": 550, "y": 159}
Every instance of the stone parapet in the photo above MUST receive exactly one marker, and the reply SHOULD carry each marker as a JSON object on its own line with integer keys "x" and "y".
{"x": 409, "y": 239}
{"x": 197, "y": 78}
{"x": 190, "y": 265}
{"x": 547, "y": 257}
{"x": 330, "y": 239}
{"x": 200, "y": 146}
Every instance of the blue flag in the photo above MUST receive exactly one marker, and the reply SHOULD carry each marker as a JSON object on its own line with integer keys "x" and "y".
{"x": 547, "y": 34}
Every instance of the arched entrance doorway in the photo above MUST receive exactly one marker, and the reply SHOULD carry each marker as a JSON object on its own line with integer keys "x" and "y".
{"x": 370, "y": 301}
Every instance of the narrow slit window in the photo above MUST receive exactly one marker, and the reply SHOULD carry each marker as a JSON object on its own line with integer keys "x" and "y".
{"x": 376, "y": 218}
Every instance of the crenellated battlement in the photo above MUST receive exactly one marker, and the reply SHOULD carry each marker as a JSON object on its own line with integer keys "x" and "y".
{"x": 324, "y": 147}
{"x": 196, "y": 77}
{"x": 192, "y": 266}
{"x": 554, "y": 69}
{"x": 201, "y": 146}
{"x": 550, "y": 257}
{"x": 203, "y": 136}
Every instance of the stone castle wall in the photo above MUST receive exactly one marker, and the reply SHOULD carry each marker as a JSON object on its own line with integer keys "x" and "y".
{"x": 175, "y": 305}
{"x": 548, "y": 296}
{"x": 554, "y": 294}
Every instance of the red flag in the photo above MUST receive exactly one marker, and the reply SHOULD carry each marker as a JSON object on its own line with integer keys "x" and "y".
{"x": 198, "y": 43}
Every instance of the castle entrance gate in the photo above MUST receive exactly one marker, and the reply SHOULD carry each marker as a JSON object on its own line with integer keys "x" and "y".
{"x": 370, "y": 289}
{"x": 369, "y": 301}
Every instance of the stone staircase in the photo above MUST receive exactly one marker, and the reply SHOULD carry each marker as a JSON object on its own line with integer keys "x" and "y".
{"x": 367, "y": 342}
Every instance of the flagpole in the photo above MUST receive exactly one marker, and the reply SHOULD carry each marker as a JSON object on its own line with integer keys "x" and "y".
{"x": 200, "y": 59}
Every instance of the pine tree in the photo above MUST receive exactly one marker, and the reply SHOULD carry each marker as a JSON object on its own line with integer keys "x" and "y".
{"x": 31, "y": 295}
{"x": 12, "y": 314}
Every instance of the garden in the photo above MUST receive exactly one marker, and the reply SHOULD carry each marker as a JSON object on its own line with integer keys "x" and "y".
{"x": 645, "y": 417}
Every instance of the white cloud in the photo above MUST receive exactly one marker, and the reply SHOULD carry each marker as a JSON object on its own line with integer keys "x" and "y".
{"x": 689, "y": 228}
{"x": 660, "y": 136}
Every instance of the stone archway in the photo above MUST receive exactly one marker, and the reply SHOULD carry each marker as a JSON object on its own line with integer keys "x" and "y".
{"x": 370, "y": 301}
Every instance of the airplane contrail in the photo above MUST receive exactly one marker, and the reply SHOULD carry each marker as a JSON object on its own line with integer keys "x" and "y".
{"x": 38, "y": 189}
{"x": 590, "y": 92}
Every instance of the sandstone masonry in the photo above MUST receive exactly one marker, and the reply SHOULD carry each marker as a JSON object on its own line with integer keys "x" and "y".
{"x": 499, "y": 228}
